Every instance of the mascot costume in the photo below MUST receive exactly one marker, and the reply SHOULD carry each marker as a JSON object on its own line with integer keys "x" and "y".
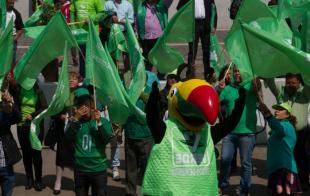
{"x": 182, "y": 161}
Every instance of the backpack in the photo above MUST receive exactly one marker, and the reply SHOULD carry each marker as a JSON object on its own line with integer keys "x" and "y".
{"x": 234, "y": 7}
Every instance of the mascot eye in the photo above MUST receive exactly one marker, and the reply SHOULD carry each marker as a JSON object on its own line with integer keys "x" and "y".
{"x": 173, "y": 92}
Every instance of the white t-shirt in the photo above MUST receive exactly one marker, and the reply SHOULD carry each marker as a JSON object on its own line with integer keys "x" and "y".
{"x": 11, "y": 15}
{"x": 200, "y": 9}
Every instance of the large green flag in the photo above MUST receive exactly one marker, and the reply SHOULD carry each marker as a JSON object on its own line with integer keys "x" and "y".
{"x": 116, "y": 43}
{"x": 180, "y": 29}
{"x": 80, "y": 35}
{"x": 103, "y": 75}
{"x": 49, "y": 45}
{"x": 271, "y": 56}
{"x": 305, "y": 32}
{"x": 2, "y": 15}
{"x": 57, "y": 104}
{"x": 34, "y": 18}
{"x": 256, "y": 13}
{"x": 136, "y": 60}
{"x": 289, "y": 8}
{"x": 6, "y": 49}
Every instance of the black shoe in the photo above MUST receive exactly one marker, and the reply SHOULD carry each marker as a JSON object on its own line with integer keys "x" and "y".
{"x": 56, "y": 192}
{"x": 29, "y": 184}
{"x": 38, "y": 186}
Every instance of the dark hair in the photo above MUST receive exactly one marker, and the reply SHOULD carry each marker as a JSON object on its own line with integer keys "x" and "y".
{"x": 223, "y": 72}
{"x": 83, "y": 100}
{"x": 293, "y": 120}
{"x": 297, "y": 76}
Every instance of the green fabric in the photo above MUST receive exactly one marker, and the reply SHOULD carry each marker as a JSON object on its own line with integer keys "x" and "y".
{"x": 28, "y": 102}
{"x": 137, "y": 62}
{"x": 280, "y": 147}
{"x": 84, "y": 9}
{"x": 176, "y": 168}
{"x": 161, "y": 13}
{"x": 135, "y": 130}
{"x": 89, "y": 153}
{"x": 289, "y": 8}
{"x": 217, "y": 59}
{"x": 2, "y": 15}
{"x": 257, "y": 14}
{"x": 57, "y": 104}
{"x": 34, "y": 32}
{"x": 279, "y": 56}
{"x": 180, "y": 29}
{"x": 34, "y": 18}
{"x": 80, "y": 35}
{"x": 48, "y": 46}
{"x": 135, "y": 5}
{"x": 117, "y": 42}
{"x": 305, "y": 32}
{"x": 247, "y": 122}
{"x": 101, "y": 72}
{"x": 6, "y": 50}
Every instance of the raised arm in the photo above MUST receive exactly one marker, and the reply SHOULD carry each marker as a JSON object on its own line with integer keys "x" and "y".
{"x": 153, "y": 117}
{"x": 221, "y": 129}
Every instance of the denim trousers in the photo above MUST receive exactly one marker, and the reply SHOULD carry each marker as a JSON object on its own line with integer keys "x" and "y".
{"x": 245, "y": 143}
{"x": 7, "y": 180}
{"x": 115, "y": 162}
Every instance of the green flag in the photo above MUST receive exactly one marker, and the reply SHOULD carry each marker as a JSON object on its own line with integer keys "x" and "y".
{"x": 102, "y": 73}
{"x": 289, "y": 8}
{"x": 136, "y": 60}
{"x": 34, "y": 32}
{"x": 57, "y": 104}
{"x": 6, "y": 49}
{"x": 271, "y": 56}
{"x": 2, "y": 15}
{"x": 305, "y": 32}
{"x": 180, "y": 29}
{"x": 49, "y": 45}
{"x": 256, "y": 13}
{"x": 34, "y": 18}
{"x": 80, "y": 35}
{"x": 116, "y": 43}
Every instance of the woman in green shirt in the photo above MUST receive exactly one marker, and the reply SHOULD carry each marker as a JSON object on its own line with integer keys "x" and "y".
{"x": 31, "y": 103}
{"x": 281, "y": 164}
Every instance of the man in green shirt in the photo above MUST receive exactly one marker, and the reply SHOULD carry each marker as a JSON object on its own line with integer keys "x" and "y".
{"x": 81, "y": 11}
{"x": 242, "y": 136}
{"x": 90, "y": 134}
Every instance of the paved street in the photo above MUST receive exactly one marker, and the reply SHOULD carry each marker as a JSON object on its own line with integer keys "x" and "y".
{"x": 259, "y": 178}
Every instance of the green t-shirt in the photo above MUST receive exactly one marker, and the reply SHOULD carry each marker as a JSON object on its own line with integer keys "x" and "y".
{"x": 90, "y": 143}
{"x": 28, "y": 103}
{"x": 247, "y": 122}
{"x": 84, "y": 9}
{"x": 134, "y": 129}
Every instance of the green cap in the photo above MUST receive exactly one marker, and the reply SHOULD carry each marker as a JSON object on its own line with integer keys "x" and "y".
{"x": 284, "y": 105}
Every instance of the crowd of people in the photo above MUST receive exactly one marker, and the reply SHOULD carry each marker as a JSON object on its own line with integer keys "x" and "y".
{"x": 82, "y": 130}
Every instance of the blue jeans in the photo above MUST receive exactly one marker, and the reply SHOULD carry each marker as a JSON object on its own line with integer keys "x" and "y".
{"x": 245, "y": 143}
{"x": 114, "y": 152}
{"x": 7, "y": 180}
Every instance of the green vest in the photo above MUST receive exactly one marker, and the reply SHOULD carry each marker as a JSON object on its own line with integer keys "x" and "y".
{"x": 161, "y": 13}
{"x": 175, "y": 167}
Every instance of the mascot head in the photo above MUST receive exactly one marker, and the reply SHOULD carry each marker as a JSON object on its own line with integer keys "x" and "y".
{"x": 193, "y": 103}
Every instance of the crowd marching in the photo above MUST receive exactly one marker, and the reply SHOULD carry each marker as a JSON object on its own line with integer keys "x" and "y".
{"x": 85, "y": 123}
